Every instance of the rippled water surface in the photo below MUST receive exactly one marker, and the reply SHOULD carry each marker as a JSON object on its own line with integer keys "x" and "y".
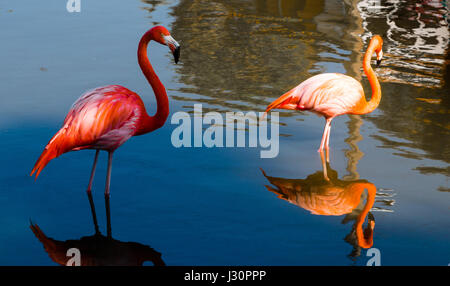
{"x": 227, "y": 206}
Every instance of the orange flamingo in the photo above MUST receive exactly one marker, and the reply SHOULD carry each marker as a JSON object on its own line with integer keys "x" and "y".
{"x": 105, "y": 117}
{"x": 334, "y": 94}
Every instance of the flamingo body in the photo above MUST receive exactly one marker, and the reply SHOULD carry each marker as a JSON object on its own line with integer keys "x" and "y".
{"x": 102, "y": 118}
{"x": 327, "y": 94}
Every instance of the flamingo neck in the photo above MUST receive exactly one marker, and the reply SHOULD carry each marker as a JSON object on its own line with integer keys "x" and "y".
{"x": 150, "y": 123}
{"x": 365, "y": 242}
{"x": 373, "y": 80}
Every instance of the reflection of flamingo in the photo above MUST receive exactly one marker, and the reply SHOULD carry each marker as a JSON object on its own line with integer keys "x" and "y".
{"x": 105, "y": 117}
{"x": 330, "y": 197}
{"x": 98, "y": 250}
{"x": 333, "y": 94}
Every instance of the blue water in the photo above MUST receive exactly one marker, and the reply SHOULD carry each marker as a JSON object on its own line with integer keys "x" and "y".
{"x": 205, "y": 206}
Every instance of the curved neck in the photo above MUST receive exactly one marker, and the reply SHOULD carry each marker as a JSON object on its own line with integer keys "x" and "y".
{"x": 150, "y": 123}
{"x": 374, "y": 84}
{"x": 365, "y": 242}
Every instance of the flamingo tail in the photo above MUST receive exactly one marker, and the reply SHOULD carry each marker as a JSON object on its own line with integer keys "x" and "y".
{"x": 51, "y": 151}
{"x": 55, "y": 249}
{"x": 281, "y": 102}
{"x": 48, "y": 242}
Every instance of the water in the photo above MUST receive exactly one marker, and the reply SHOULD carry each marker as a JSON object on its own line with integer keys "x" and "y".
{"x": 200, "y": 206}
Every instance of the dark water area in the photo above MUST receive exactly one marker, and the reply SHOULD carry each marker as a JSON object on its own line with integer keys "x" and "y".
{"x": 228, "y": 206}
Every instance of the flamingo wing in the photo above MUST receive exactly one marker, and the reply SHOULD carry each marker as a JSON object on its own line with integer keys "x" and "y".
{"x": 329, "y": 94}
{"x": 102, "y": 118}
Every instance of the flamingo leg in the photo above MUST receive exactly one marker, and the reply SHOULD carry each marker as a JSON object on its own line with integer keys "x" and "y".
{"x": 89, "y": 188}
{"x": 108, "y": 174}
{"x": 108, "y": 183}
{"x": 108, "y": 217}
{"x": 324, "y": 136}
{"x": 327, "y": 141}
{"x": 94, "y": 216}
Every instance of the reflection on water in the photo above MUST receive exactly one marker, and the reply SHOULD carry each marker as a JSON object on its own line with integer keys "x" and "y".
{"x": 416, "y": 39}
{"x": 418, "y": 35}
{"x": 98, "y": 250}
{"x": 243, "y": 54}
{"x": 323, "y": 193}
{"x": 151, "y": 6}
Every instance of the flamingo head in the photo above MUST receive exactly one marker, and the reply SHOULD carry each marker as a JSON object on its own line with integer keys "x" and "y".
{"x": 366, "y": 239}
{"x": 371, "y": 224}
{"x": 377, "y": 42}
{"x": 162, "y": 36}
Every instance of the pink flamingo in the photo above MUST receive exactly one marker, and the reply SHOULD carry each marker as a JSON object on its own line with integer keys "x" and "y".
{"x": 105, "y": 117}
{"x": 334, "y": 94}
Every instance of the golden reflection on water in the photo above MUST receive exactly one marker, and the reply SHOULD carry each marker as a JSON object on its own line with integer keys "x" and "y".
{"x": 240, "y": 55}
{"x": 418, "y": 37}
{"x": 323, "y": 193}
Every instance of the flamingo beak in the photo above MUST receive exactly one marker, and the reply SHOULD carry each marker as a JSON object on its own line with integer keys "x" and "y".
{"x": 176, "y": 54}
{"x": 371, "y": 220}
{"x": 174, "y": 47}
{"x": 379, "y": 57}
